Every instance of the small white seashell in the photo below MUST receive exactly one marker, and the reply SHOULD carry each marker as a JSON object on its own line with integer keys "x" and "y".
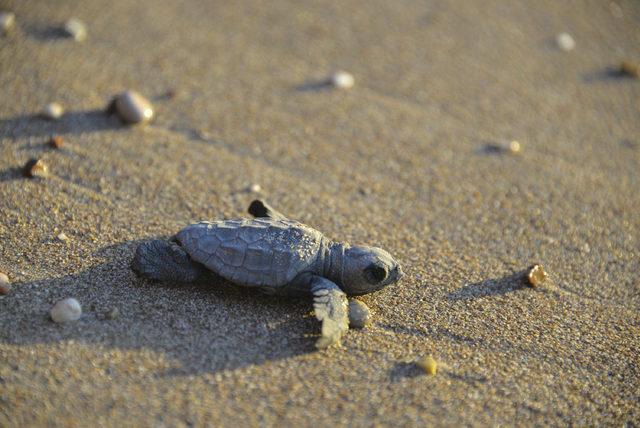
{"x": 53, "y": 111}
{"x": 7, "y": 21}
{"x": 76, "y": 29}
{"x": 133, "y": 107}
{"x": 359, "y": 314}
{"x": 565, "y": 41}
{"x": 342, "y": 80}
{"x": 66, "y": 310}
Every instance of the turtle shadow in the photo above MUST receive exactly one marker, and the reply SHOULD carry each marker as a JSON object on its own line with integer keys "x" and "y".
{"x": 491, "y": 287}
{"x": 72, "y": 122}
{"x": 203, "y": 327}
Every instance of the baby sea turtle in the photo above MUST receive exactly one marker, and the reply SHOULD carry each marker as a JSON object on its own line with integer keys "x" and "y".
{"x": 277, "y": 256}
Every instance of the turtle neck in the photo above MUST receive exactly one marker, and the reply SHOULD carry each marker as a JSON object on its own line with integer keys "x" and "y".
{"x": 333, "y": 267}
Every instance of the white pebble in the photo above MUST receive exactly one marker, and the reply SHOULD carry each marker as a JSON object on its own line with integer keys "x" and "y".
{"x": 565, "y": 41}
{"x": 53, "y": 111}
{"x": 66, "y": 310}
{"x": 62, "y": 237}
{"x": 133, "y": 107}
{"x": 76, "y": 29}
{"x": 7, "y": 21}
{"x": 359, "y": 314}
{"x": 342, "y": 80}
{"x": 255, "y": 188}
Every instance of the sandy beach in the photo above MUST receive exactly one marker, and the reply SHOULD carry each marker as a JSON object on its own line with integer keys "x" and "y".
{"x": 399, "y": 161}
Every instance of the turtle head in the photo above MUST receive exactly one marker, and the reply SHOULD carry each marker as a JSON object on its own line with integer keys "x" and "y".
{"x": 368, "y": 269}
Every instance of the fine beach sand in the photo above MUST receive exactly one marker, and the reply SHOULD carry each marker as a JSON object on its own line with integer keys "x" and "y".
{"x": 397, "y": 162}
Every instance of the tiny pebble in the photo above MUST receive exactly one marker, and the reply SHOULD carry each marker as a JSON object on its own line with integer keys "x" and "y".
{"x": 514, "y": 147}
{"x": 630, "y": 69}
{"x": 255, "y": 188}
{"x": 342, "y": 80}
{"x": 36, "y": 168}
{"x": 113, "y": 314}
{"x": 5, "y": 284}
{"x": 62, "y": 237}
{"x": 536, "y": 275}
{"x": 56, "y": 142}
{"x": 53, "y": 111}
{"x": 364, "y": 191}
{"x": 7, "y": 21}
{"x": 66, "y": 310}
{"x": 428, "y": 364}
{"x": 359, "y": 314}
{"x": 133, "y": 107}
{"x": 76, "y": 29}
{"x": 565, "y": 41}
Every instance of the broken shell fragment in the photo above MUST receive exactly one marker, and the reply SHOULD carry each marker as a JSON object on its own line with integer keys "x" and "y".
{"x": 359, "y": 314}
{"x": 536, "y": 275}
{"x": 428, "y": 364}
{"x": 132, "y": 107}
{"x": 36, "y": 168}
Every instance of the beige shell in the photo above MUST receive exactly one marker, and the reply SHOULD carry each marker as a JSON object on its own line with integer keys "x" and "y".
{"x": 5, "y": 284}
{"x": 133, "y": 107}
{"x": 7, "y": 21}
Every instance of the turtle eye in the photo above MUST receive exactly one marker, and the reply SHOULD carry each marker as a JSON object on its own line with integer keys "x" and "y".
{"x": 375, "y": 274}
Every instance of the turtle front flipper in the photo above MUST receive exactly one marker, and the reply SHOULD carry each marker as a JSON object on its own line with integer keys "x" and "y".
{"x": 260, "y": 208}
{"x": 165, "y": 261}
{"x": 332, "y": 309}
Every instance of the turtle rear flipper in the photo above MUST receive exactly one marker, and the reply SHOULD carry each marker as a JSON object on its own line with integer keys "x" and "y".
{"x": 165, "y": 261}
{"x": 261, "y": 209}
